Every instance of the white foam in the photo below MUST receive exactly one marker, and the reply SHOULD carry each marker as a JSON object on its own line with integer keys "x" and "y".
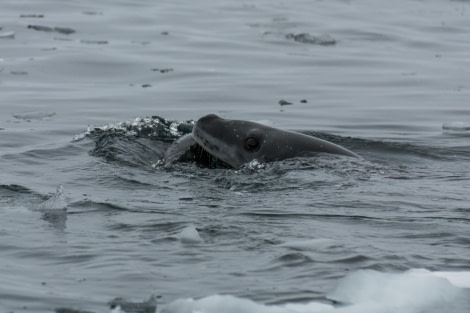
{"x": 363, "y": 291}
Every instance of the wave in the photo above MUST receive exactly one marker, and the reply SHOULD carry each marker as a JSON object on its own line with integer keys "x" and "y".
{"x": 143, "y": 141}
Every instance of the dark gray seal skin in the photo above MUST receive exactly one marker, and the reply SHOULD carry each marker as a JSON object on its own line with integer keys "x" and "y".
{"x": 237, "y": 142}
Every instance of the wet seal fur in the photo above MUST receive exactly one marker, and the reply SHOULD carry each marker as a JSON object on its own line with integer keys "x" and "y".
{"x": 218, "y": 142}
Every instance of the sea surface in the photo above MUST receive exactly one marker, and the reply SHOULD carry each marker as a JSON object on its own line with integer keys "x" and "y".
{"x": 91, "y": 222}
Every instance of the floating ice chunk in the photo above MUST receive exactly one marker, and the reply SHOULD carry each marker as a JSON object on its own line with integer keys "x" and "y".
{"x": 364, "y": 291}
{"x": 190, "y": 235}
{"x": 121, "y": 305}
{"x": 458, "y": 279}
{"x": 231, "y": 304}
{"x": 7, "y": 35}
{"x": 407, "y": 290}
{"x": 456, "y": 126}
{"x": 459, "y": 128}
{"x": 33, "y": 115}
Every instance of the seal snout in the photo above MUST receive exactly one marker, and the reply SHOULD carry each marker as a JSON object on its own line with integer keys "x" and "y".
{"x": 208, "y": 125}
{"x": 208, "y": 118}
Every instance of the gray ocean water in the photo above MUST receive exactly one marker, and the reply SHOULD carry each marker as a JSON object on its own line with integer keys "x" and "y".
{"x": 86, "y": 216}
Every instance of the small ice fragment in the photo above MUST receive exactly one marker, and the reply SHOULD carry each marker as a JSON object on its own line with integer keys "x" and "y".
{"x": 190, "y": 235}
{"x": 457, "y": 126}
{"x": 121, "y": 305}
{"x": 7, "y": 35}
{"x": 459, "y": 279}
{"x": 33, "y": 115}
{"x": 408, "y": 289}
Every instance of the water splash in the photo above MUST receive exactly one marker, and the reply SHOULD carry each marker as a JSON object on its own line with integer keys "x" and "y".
{"x": 154, "y": 127}
{"x": 56, "y": 202}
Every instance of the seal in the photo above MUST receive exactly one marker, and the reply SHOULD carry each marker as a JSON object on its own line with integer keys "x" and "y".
{"x": 236, "y": 142}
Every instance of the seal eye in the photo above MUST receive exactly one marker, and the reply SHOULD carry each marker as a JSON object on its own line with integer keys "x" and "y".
{"x": 252, "y": 144}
